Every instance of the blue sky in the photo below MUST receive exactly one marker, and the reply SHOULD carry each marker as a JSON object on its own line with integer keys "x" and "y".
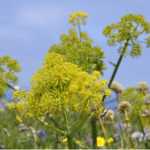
{"x": 29, "y": 28}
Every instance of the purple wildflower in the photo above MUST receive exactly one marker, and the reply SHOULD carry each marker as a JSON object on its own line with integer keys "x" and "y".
{"x": 42, "y": 134}
{"x": 140, "y": 139}
{"x": 22, "y": 127}
{"x": 119, "y": 126}
{"x": 115, "y": 136}
{"x": 145, "y": 130}
{"x": 88, "y": 140}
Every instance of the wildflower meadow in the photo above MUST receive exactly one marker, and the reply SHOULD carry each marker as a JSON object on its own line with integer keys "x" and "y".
{"x": 64, "y": 108}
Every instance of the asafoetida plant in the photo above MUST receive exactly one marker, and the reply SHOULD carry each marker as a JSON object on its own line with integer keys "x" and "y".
{"x": 59, "y": 85}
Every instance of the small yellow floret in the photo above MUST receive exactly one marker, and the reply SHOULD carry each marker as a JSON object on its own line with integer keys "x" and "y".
{"x": 11, "y": 106}
{"x": 73, "y": 16}
{"x": 79, "y": 13}
{"x": 70, "y": 20}
{"x": 18, "y": 118}
{"x": 85, "y": 15}
{"x": 77, "y": 142}
{"x": 110, "y": 140}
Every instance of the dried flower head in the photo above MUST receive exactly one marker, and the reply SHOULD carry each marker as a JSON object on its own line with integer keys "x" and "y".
{"x": 93, "y": 108}
{"x": 147, "y": 99}
{"x": 6, "y": 132}
{"x": 109, "y": 115}
{"x": 145, "y": 113}
{"x": 33, "y": 132}
{"x": 115, "y": 86}
{"x": 142, "y": 86}
{"x": 124, "y": 106}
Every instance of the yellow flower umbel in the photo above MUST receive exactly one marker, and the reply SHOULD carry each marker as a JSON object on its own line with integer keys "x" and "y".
{"x": 100, "y": 141}
{"x": 78, "y": 18}
{"x": 57, "y": 86}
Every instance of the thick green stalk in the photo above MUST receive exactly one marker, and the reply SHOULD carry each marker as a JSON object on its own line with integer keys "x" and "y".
{"x": 112, "y": 77}
{"x": 76, "y": 126}
{"x": 79, "y": 32}
{"x": 11, "y": 87}
{"x": 63, "y": 108}
{"x": 94, "y": 132}
{"x": 70, "y": 142}
{"x": 117, "y": 66}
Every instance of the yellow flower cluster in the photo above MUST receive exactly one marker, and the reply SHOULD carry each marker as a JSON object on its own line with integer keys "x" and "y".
{"x": 126, "y": 30}
{"x": 57, "y": 86}
{"x": 79, "y": 17}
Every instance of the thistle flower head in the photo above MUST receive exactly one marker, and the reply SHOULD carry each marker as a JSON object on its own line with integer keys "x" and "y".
{"x": 109, "y": 115}
{"x": 142, "y": 86}
{"x": 145, "y": 113}
{"x": 124, "y": 106}
{"x": 147, "y": 99}
{"x": 116, "y": 87}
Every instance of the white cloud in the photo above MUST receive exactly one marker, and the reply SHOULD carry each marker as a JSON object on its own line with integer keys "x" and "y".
{"x": 40, "y": 17}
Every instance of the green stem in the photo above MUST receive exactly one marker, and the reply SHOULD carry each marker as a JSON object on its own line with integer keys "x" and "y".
{"x": 122, "y": 133}
{"x": 54, "y": 128}
{"x": 76, "y": 126}
{"x": 79, "y": 31}
{"x": 141, "y": 127}
{"x": 100, "y": 120}
{"x": 64, "y": 110}
{"x": 11, "y": 87}
{"x": 70, "y": 142}
{"x": 94, "y": 132}
{"x": 117, "y": 66}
